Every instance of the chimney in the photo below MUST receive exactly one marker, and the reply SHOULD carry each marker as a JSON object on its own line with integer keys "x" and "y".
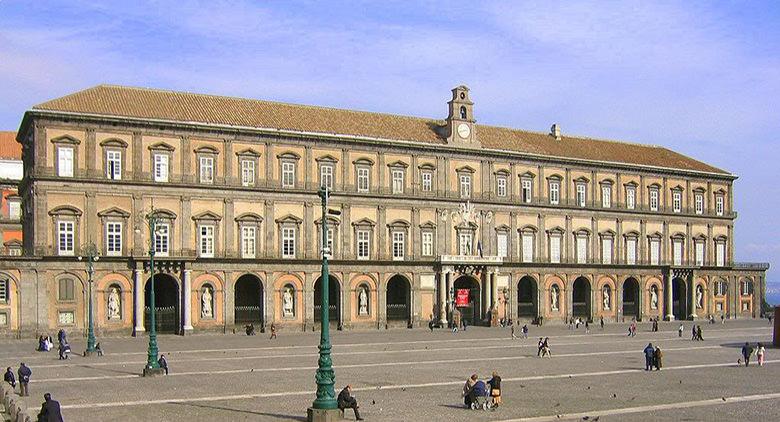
{"x": 555, "y": 131}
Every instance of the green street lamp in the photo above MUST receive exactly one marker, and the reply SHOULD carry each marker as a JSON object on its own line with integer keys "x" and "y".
{"x": 90, "y": 252}
{"x": 152, "y": 367}
{"x": 325, "y": 377}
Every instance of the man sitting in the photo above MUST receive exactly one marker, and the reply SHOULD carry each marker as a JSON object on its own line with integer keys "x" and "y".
{"x": 50, "y": 410}
{"x": 346, "y": 401}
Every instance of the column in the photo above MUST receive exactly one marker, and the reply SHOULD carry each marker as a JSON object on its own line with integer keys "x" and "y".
{"x": 186, "y": 172}
{"x": 186, "y": 248}
{"x": 90, "y": 219}
{"x": 138, "y": 300}
{"x": 187, "y": 289}
{"x": 416, "y": 243}
{"x": 668, "y": 295}
{"x": 493, "y": 289}
{"x": 692, "y": 295}
{"x": 270, "y": 226}
{"x": 511, "y": 248}
{"x": 381, "y": 228}
{"x": 643, "y": 257}
{"x": 89, "y": 154}
{"x": 569, "y": 292}
{"x": 227, "y": 161}
{"x": 568, "y": 243}
{"x": 345, "y": 186}
{"x": 138, "y": 153}
{"x": 228, "y": 229}
{"x": 486, "y": 295}
{"x": 138, "y": 224}
{"x": 443, "y": 281}
{"x": 448, "y": 286}
{"x": 307, "y": 160}
{"x": 618, "y": 302}
{"x": 346, "y": 251}
{"x": 308, "y": 224}
{"x": 269, "y": 172}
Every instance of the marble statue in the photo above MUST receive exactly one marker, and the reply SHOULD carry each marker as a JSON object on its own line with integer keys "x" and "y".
{"x": 699, "y": 297}
{"x": 654, "y": 297}
{"x": 206, "y": 309}
{"x": 554, "y": 298}
{"x": 287, "y": 303}
{"x": 113, "y": 303}
{"x": 363, "y": 302}
{"x": 606, "y": 298}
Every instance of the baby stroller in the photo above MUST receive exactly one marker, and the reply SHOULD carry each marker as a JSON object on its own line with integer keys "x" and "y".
{"x": 481, "y": 399}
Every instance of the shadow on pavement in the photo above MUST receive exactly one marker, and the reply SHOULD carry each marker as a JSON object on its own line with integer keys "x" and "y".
{"x": 275, "y": 415}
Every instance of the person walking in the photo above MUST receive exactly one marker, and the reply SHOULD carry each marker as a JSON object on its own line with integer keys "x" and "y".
{"x": 658, "y": 357}
{"x": 698, "y": 333}
{"x": 693, "y": 332}
{"x": 759, "y": 354}
{"x": 747, "y": 351}
{"x": 346, "y": 401}
{"x": 525, "y": 331}
{"x": 9, "y": 377}
{"x": 514, "y": 337}
{"x": 50, "y": 410}
{"x": 273, "y": 331}
{"x": 680, "y": 330}
{"x": 62, "y": 337}
{"x": 24, "y": 378}
{"x": 649, "y": 352}
{"x": 722, "y": 319}
{"x": 163, "y": 363}
{"x": 63, "y": 349}
{"x": 546, "y": 348}
{"x": 587, "y": 327}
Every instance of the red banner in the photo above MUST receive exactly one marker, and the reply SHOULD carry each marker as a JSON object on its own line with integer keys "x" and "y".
{"x": 462, "y": 297}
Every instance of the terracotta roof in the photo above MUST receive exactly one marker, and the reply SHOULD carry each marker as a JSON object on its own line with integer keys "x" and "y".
{"x": 111, "y": 100}
{"x": 9, "y": 148}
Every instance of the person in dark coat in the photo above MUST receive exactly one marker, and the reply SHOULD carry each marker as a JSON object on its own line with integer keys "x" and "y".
{"x": 649, "y": 353}
{"x": 9, "y": 377}
{"x": 346, "y": 401}
{"x": 747, "y": 351}
{"x": 50, "y": 410}
{"x": 495, "y": 388}
{"x": 658, "y": 359}
{"x": 698, "y": 333}
{"x": 163, "y": 363}
{"x": 62, "y": 337}
{"x": 24, "y": 378}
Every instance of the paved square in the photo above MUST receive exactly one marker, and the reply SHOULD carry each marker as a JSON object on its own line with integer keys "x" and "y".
{"x": 405, "y": 375}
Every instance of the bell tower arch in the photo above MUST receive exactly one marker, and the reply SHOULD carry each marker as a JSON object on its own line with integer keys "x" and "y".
{"x": 460, "y": 120}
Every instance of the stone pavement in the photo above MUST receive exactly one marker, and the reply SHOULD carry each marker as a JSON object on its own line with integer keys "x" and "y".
{"x": 404, "y": 375}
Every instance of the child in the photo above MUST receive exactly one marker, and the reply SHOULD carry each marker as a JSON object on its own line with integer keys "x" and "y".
{"x": 760, "y": 354}
{"x": 495, "y": 389}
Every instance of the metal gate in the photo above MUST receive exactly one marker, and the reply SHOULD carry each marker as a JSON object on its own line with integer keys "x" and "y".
{"x": 249, "y": 314}
{"x": 166, "y": 319}
{"x": 397, "y": 311}
{"x": 333, "y": 312}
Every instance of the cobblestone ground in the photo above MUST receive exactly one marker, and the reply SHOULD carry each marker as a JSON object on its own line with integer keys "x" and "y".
{"x": 405, "y": 375}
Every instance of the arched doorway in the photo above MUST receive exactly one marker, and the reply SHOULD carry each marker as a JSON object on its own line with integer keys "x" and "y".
{"x": 470, "y": 305}
{"x": 334, "y": 300}
{"x": 679, "y": 299}
{"x": 581, "y": 298}
{"x": 527, "y": 302}
{"x": 398, "y": 299}
{"x": 166, "y": 304}
{"x": 631, "y": 298}
{"x": 248, "y": 301}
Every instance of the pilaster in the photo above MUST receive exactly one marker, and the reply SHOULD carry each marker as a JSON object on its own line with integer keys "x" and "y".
{"x": 89, "y": 154}
{"x": 382, "y": 232}
{"x": 187, "y": 289}
{"x": 138, "y": 299}
{"x": 185, "y": 245}
{"x": 228, "y": 229}
{"x": 187, "y": 174}
{"x": 270, "y": 229}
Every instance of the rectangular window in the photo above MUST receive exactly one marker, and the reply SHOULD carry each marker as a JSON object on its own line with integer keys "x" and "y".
{"x": 14, "y": 209}
{"x": 65, "y": 162}
{"x": 526, "y": 190}
{"x": 363, "y": 244}
{"x": 654, "y": 200}
{"x": 207, "y": 241}
{"x": 162, "y": 239}
{"x": 247, "y": 172}
{"x": 555, "y": 249}
{"x": 206, "y": 169}
{"x": 677, "y": 252}
{"x": 362, "y": 179}
{"x": 631, "y": 251}
{"x": 326, "y": 176}
{"x": 67, "y": 290}
{"x": 398, "y": 181}
{"x": 160, "y": 167}
{"x": 398, "y": 245}
{"x": 501, "y": 186}
{"x": 66, "y": 233}
{"x": 606, "y": 196}
{"x": 427, "y": 181}
{"x": 114, "y": 165}
{"x": 288, "y": 174}
{"x": 631, "y": 197}
{"x": 427, "y": 243}
{"x": 114, "y": 238}
{"x": 719, "y": 205}
{"x": 528, "y": 247}
{"x": 699, "y": 251}
{"x": 4, "y": 291}
{"x": 582, "y": 249}
{"x": 581, "y": 195}
{"x": 465, "y": 186}
{"x": 676, "y": 201}
{"x": 606, "y": 250}
{"x": 465, "y": 243}
{"x": 699, "y": 203}
{"x": 288, "y": 242}
{"x": 501, "y": 244}
{"x": 555, "y": 192}
{"x": 655, "y": 251}
{"x": 720, "y": 254}
{"x": 248, "y": 241}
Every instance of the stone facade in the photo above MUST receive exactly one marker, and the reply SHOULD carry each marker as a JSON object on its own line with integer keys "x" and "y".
{"x": 421, "y": 225}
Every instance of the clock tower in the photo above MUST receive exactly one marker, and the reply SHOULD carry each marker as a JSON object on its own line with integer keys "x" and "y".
{"x": 460, "y": 121}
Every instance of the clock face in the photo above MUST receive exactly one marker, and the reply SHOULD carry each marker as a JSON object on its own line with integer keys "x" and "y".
{"x": 464, "y": 130}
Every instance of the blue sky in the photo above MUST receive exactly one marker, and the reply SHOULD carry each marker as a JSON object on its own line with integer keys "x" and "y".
{"x": 701, "y": 78}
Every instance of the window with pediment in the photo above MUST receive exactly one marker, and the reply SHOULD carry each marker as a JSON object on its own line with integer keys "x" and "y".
{"x": 363, "y": 169}
{"x": 113, "y": 157}
{"x": 248, "y": 164}
{"x": 249, "y": 234}
{"x": 65, "y": 221}
{"x": 288, "y": 169}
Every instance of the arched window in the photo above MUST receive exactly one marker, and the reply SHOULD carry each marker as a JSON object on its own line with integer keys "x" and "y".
{"x": 288, "y": 301}
{"x": 463, "y": 112}
{"x": 66, "y": 290}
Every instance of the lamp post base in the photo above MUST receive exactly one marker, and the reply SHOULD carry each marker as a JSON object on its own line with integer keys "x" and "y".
{"x": 153, "y": 372}
{"x": 323, "y": 415}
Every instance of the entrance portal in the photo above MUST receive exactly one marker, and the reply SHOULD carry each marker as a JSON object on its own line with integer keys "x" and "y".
{"x": 581, "y": 298}
{"x": 527, "y": 302}
{"x": 166, "y": 304}
{"x": 679, "y": 299}
{"x": 334, "y": 300}
{"x": 631, "y": 298}
{"x": 398, "y": 299}
{"x": 248, "y": 301}
{"x": 470, "y": 310}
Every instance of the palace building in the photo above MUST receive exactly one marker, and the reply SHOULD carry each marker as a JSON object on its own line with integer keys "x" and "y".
{"x": 438, "y": 217}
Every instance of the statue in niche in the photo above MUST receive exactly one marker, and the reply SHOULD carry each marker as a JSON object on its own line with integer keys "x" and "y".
{"x": 363, "y": 302}
{"x": 206, "y": 304}
{"x": 554, "y": 297}
{"x": 113, "y": 303}
{"x": 287, "y": 302}
{"x": 654, "y": 297}
{"x": 699, "y": 297}
{"x": 606, "y": 299}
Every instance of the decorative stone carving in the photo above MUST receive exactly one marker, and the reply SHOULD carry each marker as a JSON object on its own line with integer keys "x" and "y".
{"x": 287, "y": 303}
{"x": 206, "y": 303}
{"x": 554, "y": 293}
{"x": 699, "y": 297}
{"x": 363, "y": 301}
{"x": 114, "y": 304}
{"x": 654, "y": 297}
{"x": 606, "y": 298}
